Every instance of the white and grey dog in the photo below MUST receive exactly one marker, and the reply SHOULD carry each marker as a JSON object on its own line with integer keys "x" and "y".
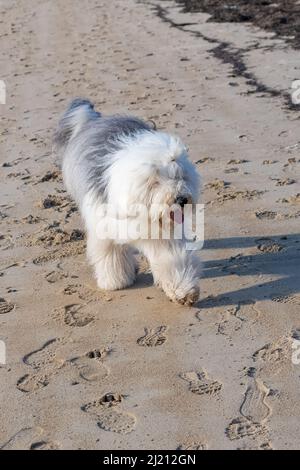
{"x": 121, "y": 161}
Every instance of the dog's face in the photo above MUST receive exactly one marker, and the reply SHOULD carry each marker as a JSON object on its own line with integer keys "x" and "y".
{"x": 158, "y": 175}
{"x": 172, "y": 186}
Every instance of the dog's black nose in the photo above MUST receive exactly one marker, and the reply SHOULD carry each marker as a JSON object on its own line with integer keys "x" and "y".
{"x": 181, "y": 200}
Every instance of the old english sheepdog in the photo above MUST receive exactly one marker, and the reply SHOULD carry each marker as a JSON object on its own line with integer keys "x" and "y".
{"x": 114, "y": 164}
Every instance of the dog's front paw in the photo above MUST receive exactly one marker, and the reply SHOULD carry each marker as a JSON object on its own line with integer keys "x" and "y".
{"x": 183, "y": 297}
{"x": 190, "y": 297}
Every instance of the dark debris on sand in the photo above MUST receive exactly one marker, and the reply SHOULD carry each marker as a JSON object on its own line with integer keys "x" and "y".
{"x": 279, "y": 16}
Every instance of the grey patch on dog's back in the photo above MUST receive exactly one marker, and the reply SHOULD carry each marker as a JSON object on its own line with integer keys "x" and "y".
{"x": 88, "y": 141}
{"x": 105, "y": 138}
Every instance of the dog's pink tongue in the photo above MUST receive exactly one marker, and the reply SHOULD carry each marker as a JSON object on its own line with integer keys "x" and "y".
{"x": 177, "y": 216}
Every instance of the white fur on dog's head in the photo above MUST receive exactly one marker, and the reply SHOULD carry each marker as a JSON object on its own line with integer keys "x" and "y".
{"x": 155, "y": 171}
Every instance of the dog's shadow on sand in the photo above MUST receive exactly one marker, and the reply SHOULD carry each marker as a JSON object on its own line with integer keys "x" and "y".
{"x": 277, "y": 257}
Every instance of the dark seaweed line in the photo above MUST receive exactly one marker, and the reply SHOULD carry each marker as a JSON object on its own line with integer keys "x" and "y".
{"x": 223, "y": 52}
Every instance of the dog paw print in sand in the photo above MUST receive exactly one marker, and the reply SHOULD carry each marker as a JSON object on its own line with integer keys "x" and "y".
{"x": 75, "y": 315}
{"x": 201, "y": 384}
{"x": 90, "y": 366}
{"x": 108, "y": 414}
{"x": 153, "y": 336}
{"x": 5, "y": 306}
{"x": 44, "y": 363}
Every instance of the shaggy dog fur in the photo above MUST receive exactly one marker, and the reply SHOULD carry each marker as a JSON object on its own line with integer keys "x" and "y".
{"x": 121, "y": 162}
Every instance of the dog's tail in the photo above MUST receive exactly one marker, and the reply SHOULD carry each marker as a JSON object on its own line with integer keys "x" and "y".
{"x": 76, "y": 116}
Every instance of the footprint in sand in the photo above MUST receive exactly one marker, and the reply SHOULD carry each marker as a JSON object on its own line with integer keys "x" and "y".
{"x": 45, "y": 362}
{"x": 236, "y": 162}
{"x": 45, "y": 445}
{"x": 29, "y": 439}
{"x": 254, "y": 406}
{"x": 238, "y": 194}
{"x": 54, "y": 201}
{"x": 254, "y": 410}
{"x": 231, "y": 322}
{"x": 108, "y": 415}
{"x": 90, "y": 366}
{"x": 283, "y": 181}
{"x": 5, "y": 306}
{"x": 50, "y": 175}
{"x": 290, "y": 215}
{"x": 22, "y": 440}
{"x": 70, "y": 249}
{"x": 266, "y": 446}
{"x": 287, "y": 299}
{"x": 51, "y": 235}
{"x": 277, "y": 355}
{"x": 74, "y": 315}
{"x": 291, "y": 200}
{"x": 55, "y": 276}
{"x": 6, "y": 242}
{"x": 263, "y": 446}
{"x": 193, "y": 444}
{"x": 153, "y": 336}
{"x": 87, "y": 293}
{"x": 243, "y": 427}
{"x": 267, "y": 245}
{"x": 31, "y": 219}
{"x": 264, "y": 214}
{"x": 201, "y": 384}
{"x": 32, "y": 382}
{"x": 45, "y": 355}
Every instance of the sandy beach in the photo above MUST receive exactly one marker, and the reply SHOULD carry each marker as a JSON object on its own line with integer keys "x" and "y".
{"x": 91, "y": 369}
